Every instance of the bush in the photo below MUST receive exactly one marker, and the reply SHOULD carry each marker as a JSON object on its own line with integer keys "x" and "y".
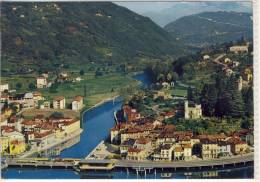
{"x": 57, "y": 115}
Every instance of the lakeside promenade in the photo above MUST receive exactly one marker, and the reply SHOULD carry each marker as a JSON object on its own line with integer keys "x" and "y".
{"x": 86, "y": 164}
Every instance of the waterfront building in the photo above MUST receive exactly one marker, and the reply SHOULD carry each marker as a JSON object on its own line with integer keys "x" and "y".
{"x": 237, "y": 145}
{"x": 4, "y": 144}
{"x": 178, "y": 153}
{"x": 163, "y": 153}
{"x": 187, "y": 152}
{"x": 130, "y": 114}
{"x": 210, "y": 149}
{"x": 59, "y": 102}
{"x": 77, "y": 103}
{"x": 144, "y": 144}
{"x": 192, "y": 110}
{"x": 224, "y": 148}
{"x": 17, "y": 147}
{"x": 126, "y": 145}
{"x": 41, "y": 82}
{"x": 136, "y": 154}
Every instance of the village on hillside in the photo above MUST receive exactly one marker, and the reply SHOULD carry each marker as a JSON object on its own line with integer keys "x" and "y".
{"x": 168, "y": 125}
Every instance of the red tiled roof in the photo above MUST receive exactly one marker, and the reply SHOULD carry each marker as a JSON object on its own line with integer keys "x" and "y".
{"x": 134, "y": 150}
{"x": 58, "y": 98}
{"x": 142, "y": 141}
{"x": 78, "y": 98}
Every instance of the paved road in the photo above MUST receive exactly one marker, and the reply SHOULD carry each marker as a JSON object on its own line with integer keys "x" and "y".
{"x": 216, "y": 60}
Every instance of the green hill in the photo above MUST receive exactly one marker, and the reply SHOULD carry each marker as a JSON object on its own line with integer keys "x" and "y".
{"x": 48, "y": 33}
{"x": 212, "y": 27}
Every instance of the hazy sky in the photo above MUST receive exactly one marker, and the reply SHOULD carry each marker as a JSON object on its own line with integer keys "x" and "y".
{"x": 143, "y": 7}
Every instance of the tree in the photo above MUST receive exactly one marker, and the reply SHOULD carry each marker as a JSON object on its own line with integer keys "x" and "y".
{"x": 235, "y": 100}
{"x": 18, "y": 86}
{"x": 57, "y": 115}
{"x": 81, "y": 72}
{"x": 31, "y": 86}
{"x": 208, "y": 99}
{"x": 248, "y": 100}
{"x": 190, "y": 95}
{"x": 169, "y": 77}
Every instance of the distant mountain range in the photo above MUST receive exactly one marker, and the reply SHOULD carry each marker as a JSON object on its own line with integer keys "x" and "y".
{"x": 47, "y": 33}
{"x": 212, "y": 27}
{"x": 180, "y": 9}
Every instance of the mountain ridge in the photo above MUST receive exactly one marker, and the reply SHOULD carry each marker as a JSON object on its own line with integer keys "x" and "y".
{"x": 212, "y": 27}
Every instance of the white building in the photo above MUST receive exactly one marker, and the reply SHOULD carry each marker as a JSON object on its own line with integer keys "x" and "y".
{"x": 239, "y": 49}
{"x": 41, "y": 82}
{"x": 4, "y": 87}
{"x": 192, "y": 111}
{"x": 206, "y": 57}
{"x": 59, "y": 103}
{"x": 77, "y": 103}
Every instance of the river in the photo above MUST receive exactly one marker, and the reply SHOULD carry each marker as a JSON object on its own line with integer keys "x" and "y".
{"x": 97, "y": 123}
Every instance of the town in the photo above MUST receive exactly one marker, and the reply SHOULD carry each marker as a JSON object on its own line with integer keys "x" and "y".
{"x": 45, "y": 126}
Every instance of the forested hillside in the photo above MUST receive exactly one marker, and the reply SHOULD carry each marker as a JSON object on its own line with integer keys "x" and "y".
{"x": 212, "y": 27}
{"x": 47, "y": 33}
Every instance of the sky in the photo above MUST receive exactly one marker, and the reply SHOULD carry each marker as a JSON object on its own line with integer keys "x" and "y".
{"x": 143, "y": 7}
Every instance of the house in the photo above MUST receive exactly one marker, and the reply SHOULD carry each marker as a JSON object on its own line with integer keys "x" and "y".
{"x": 17, "y": 147}
{"x": 4, "y": 143}
{"x": 163, "y": 94}
{"x": 37, "y": 96}
{"x": 206, "y": 57}
{"x": 4, "y": 87}
{"x": 63, "y": 76}
{"x": 41, "y": 82}
{"x": 44, "y": 138}
{"x": 227, "y": 60}
{"x": 239, "y": 49}
{"x": 136, "y": 154}
{"x": 166, "y": 85}
{"x": 45, "y": 105}
{"x": 130, "y": 114}
{"x": 59, "y": 102}
{"x": 25, "y": 100}
{"x": 237, "y": 145}
{"x": 126, "y": 145}
{"x": 247, "y": 74}
{"x": 210, "y": 149}
{"x": 77, "y": 103}
{"x": 224, "y": 148}
{"x": 192, "y": 110}
{"x": 187, "y": 152}
{"x": 144, "y": 144}
{"x": 178, "y": 153}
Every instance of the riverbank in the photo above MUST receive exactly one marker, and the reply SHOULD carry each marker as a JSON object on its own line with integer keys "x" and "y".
{"x": 55, "y": 144}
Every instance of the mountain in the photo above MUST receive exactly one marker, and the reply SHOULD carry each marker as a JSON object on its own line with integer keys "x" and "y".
{"x": 180, "y": 9}
{"x": 47, "y": 33}
{"x": 212, "y": 27}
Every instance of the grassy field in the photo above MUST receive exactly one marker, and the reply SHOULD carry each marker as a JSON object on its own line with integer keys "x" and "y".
{"x": 97, "y": 88}
{"x": 29, "y": 114}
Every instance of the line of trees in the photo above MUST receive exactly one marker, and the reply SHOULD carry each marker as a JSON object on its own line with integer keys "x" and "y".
{"x": 224, "y": 99}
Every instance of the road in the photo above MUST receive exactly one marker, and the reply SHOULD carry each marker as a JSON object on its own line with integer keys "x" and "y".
{"x": 216, "y": 60}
